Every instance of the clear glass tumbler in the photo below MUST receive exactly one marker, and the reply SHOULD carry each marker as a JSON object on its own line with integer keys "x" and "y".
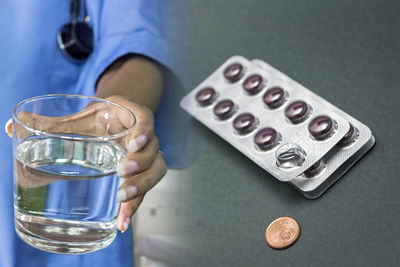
{"x": 65, "y": 150}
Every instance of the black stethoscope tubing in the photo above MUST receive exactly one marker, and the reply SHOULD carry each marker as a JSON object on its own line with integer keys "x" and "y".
{"x": 75, "y": 39}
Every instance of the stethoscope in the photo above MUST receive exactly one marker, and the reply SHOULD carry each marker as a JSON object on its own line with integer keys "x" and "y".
{"x": 75, "y": 39}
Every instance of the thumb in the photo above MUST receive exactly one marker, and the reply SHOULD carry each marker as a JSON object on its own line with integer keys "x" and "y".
{"x": 126, "y": 212}
{"x": 8, "y": 127}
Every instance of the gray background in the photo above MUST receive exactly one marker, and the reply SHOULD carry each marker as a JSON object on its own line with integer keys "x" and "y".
{"x": 348, "y": 53}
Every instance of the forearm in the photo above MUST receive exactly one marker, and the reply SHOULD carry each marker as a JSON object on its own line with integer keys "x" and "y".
{"x": 137, "y": 78}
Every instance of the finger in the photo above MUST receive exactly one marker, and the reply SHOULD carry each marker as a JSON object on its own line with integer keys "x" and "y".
{"x": 97, "y": 118}
{"x": 139, "y": 161}
{"x": 139, "y": 184}
{"x": 126, "y": 212}
{"x": 28, "y": 177}
{"x": 8, "y": 127}
{"x": 143, "y": 131}
{"x": 83, "y": 121}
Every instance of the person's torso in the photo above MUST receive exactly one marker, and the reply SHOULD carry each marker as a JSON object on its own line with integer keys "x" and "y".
{"x": 32, "y": 64}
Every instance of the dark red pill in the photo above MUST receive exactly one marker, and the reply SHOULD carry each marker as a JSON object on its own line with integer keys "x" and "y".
{"x": 233, "y": 72}
{"x": 266, "y": 138}
{"x": 244, "y": 123}
{"x": 348, "y": 136}
{"x": 297, "y": 111}
{"x": 206, "y": 96}
{"x": 253, "y": 84}
{"x": 314, "y": 169}
{"x": 224, "y": 109}
{"x": 320, "y": 127}
{"x": 274, "y": 97}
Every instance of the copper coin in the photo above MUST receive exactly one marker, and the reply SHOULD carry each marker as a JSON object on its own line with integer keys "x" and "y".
{"x": 282, "y": 232}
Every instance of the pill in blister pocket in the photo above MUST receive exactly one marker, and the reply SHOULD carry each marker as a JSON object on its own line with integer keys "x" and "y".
{"x": 253, "y": 84}
{"x": 234, "y": 72}
{"x": 349, "y": 136}
{"x": 297, "y": 111}
{"x": 314, "y": 169}
{"x": 274, "y": 97}
{"x": 266, "y": 138}
{"x": 321, "y": 127}
{"x": 206, "y": 96}
{"x": 244, "y": 123}
{"x": 224, "y": 109}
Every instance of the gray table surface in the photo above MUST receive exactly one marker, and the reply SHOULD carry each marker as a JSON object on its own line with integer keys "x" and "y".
{"x": 347, "y": 52}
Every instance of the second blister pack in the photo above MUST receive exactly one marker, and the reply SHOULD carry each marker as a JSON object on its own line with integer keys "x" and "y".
{"x": 358, "y": 140}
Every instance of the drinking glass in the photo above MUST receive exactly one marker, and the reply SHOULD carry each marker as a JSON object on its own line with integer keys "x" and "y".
{"x": 65, "y": 149}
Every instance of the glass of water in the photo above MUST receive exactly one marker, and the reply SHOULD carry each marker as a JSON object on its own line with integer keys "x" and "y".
{"x": 66, "y": 148}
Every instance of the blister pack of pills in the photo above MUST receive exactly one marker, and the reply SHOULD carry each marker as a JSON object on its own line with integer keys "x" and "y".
{"x": 286, "y": 129}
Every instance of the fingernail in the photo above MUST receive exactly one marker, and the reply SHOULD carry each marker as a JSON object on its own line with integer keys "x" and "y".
{"x": 8, "y": 127}
{"x": 121, "y": 181}
{"x": 125, "y": 225}
{"x": 137, "y": 143}
{"x": 126, "y": 193}
{"x": 127, "y": 167}
{"x": 119, "y": 223}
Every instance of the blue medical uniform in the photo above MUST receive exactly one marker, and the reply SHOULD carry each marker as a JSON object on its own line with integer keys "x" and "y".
{"x": 31, "y": 64}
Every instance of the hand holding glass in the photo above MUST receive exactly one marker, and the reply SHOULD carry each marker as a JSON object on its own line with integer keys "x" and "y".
{"x": 66, "y": 148}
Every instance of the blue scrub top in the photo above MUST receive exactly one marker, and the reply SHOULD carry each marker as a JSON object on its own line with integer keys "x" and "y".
{"x": 31, "y": 64}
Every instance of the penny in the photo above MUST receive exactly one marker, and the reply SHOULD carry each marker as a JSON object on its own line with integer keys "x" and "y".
{"x": 205, "y": 96}
{"x": 253, "y": 84}
{"x": 282, "y": 232}
{"x": 233, "y": 72}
